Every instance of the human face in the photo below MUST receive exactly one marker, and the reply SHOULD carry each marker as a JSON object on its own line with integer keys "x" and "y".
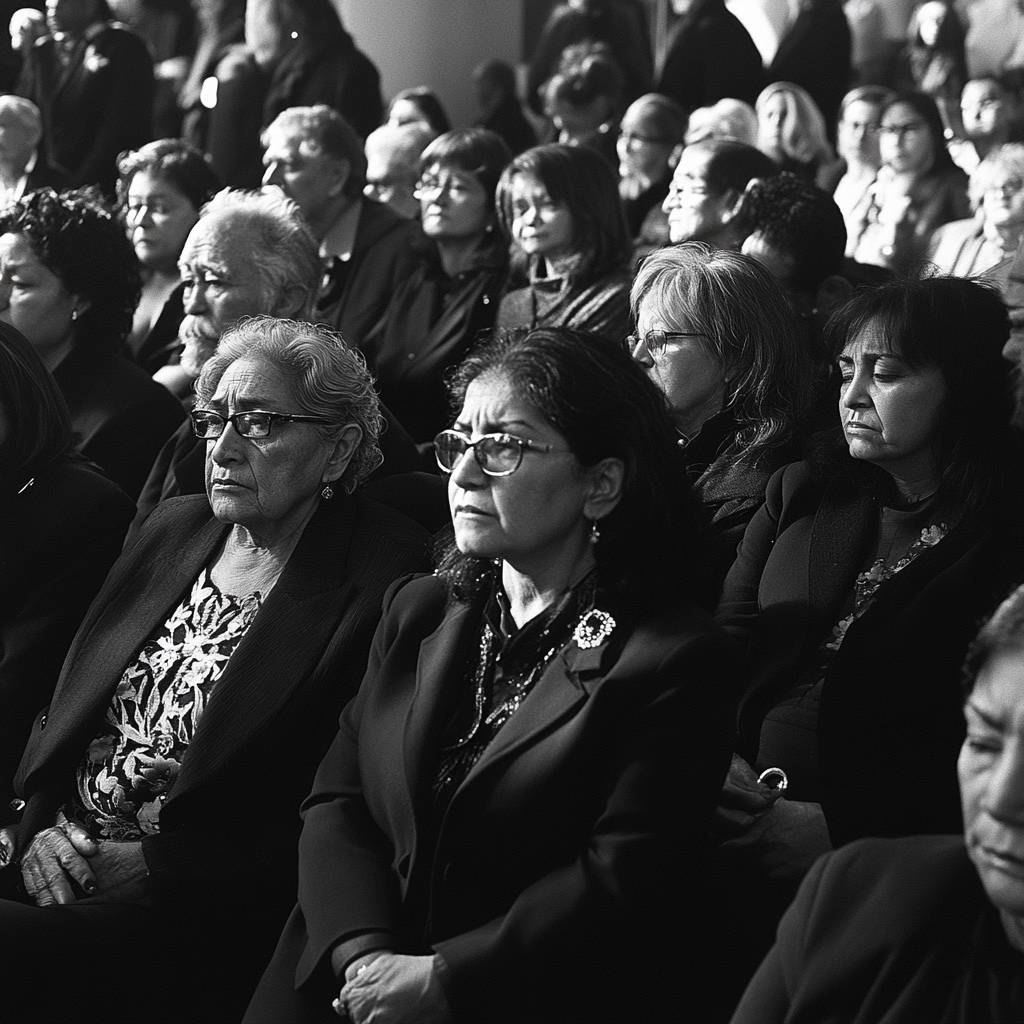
{"x": 453, "y": 204}
{"x": 159, "y": 220}
{"x": 904, "y": 141}
{"x": 774, "y": 117}
{"x": 858, "y": 134}
{"x": 695, "y": 211}
{"x": 1003, "y": 200}
{"x": 312, "y": 179}
{"x": 540, "y": 226}
{"x": 643, "y": 155}
{"x": 991, "y": 769}
{"x": 686, "y": 370}
{"x": 35, "y": 301}
{"x": 533, "y": 517}
{"x": 392, "y": 182}
{"x": 985, "y": 110}
{"x": 71, "y": 16}
{"x": 268, "y": 486}
{"x": 890, "y": 411}
{"x": 16, "y": 144}
{"x": 221, "y": 284}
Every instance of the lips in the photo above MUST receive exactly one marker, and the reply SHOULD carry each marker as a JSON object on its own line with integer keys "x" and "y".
{"x": 470, "y": 510}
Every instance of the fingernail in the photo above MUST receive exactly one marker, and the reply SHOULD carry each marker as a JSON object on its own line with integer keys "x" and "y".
{"x": 89, "y": 886}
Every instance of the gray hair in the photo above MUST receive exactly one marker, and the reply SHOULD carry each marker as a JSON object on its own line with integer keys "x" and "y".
{"x": 287, "y": 257}
{"x": 1009, "y": 158}
{"x": 26, "y": 114}
{"x": 328, "y": 380}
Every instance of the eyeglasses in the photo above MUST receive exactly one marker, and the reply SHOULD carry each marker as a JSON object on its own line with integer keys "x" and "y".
{"x": 899, "y": 130}
{"x": 657, "y": 341}
{"x": 429, "y": 187}
{"x": 495, "y": 454}
{"x": 209, "y": 425}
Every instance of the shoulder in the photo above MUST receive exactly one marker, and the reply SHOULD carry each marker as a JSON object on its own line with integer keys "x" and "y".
{"x": 379, "y": 224}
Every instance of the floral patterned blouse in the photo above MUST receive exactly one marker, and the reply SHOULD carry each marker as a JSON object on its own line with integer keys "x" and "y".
{"x": 131, "y": 765}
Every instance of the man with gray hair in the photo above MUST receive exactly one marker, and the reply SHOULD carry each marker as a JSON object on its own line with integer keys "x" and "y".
{"x": 22, "y": 168}
{"x": 393, "y": 164}
{"x": 315, "y": 158}
{"x": 249, "y": 253}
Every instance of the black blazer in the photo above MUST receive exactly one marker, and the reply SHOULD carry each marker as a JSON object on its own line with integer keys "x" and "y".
{"x": 229, "y": 827}
{"x": 98, "y": 105}
{"x": 59, "y": 535}
{"x": 891, "y": 721}
{"x": 575, "y": 848}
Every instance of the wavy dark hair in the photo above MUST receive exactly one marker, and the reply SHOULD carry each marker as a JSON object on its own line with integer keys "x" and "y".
{"x": 428, "y": 104}
{"x": 601, "y": 402}
{"x": 928, "y": 110}
{"x": 584, "y": 181}
{"x": 174, "y": 161}
{"x": 960, "y": 326}
{"x": 1003, "y": 632}
{"x": 77, "y": 237}
{"x": 31, "y": 403}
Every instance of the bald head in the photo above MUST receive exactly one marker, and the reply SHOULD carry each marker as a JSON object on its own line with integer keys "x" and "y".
{"x": 392, "y": 164}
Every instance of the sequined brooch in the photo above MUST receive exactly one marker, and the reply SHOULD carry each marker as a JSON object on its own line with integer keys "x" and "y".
{"x": 594, "y": 628}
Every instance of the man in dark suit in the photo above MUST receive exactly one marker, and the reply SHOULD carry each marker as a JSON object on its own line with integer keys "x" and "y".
{"x": 93, "y": 81}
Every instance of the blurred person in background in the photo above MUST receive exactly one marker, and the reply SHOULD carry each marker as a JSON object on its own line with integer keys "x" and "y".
{"x": 726, "y": 119}
{"x": 418, "y": 105}
{"x": 494, "y": 84}
{"x": 23, "y": 164}
{"x": 392, "y": 165}
{"x": 791, "y": 130}
{"x": 991, "y": 116}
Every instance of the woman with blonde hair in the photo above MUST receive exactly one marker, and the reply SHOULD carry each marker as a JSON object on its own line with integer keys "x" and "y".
{"x": 792, "y": 130}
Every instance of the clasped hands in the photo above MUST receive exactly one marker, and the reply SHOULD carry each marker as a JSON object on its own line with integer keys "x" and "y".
{"x": 64, "y": 856}
{"x": 391, "y": 988}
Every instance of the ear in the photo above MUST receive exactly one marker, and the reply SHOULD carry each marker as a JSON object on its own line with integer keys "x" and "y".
{"x": 341, "y": 170}
{"x": 292, "y": 302}
{"x": 833, "y": 292}
{"x": 80, "y": 305}
{"x": 606, "y": 480}
{"x": 344, "y": 447}
{"x": 728, "y": 203}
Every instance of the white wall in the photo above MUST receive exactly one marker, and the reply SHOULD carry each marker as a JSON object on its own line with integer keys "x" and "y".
{"x": 436, "y": 43}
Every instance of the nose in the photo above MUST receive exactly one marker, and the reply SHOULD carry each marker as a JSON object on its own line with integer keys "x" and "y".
{"x": 1004, "y": 794}
{"x": 227, "y": 447}
{"x": 641, "y": 353}
{"x": 142, "y": 216}
{"x": 855, "y": 395}
{"x": 273, "y": 174}
{"x": 5, "y": 292}
{"x": 194, "y": 299}
{"x": 467, "y": 473}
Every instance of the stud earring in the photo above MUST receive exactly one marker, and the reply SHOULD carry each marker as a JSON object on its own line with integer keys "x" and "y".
{"x": 74, "y": 314}
{"x": 327, "y": 493}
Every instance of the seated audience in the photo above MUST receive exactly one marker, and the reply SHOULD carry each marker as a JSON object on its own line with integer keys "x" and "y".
{"x": 317, "y": 160}
{"x": 859, "y": 156}
{"x": 650, "y": 143}
{"x": 23, "y": 167}
{"x": 419, "y": 105}
{"x": 708, "y": 182}
{"x": 584, "y": 101}
{"x": 93, "y": 79}
{"x": 201, "y": 692}
{"x": 791, "y": 130}
{"x": 966, "y": 248}
{"x": 715, "y": 333}
{"x": 924, "y": 928}
{"x": 249, "y": 254}
{"x": 162, "y": 187}
{"x": 71, "y": 285}
{"x": 494, "y": 83}
{"x": 392, "y": 165}
{"x": 559, "y": 205}
{"x": 61, "y": 527}
{"x": 436, "y": 314}
{"x": 569, "y": 797}
{"x": 709, "y": 56}
{"x": 990, "y": 114}
{"x": 729, "y": 119}
{"x": 917, "y": 188}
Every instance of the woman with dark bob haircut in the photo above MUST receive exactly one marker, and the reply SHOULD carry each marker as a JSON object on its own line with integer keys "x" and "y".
{"x": 440, "y": 309}
{"x": 71, "y": 284}
{"x": 560, "y": 208}
{"x": 562, "y": 708}
{"x": 62, "y": 524}
{"x": 161, "y": 189}
{"x": 860, "y": 583}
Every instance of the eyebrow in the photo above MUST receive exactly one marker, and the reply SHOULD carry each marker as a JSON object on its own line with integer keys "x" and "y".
{"x": 501, "y": 427}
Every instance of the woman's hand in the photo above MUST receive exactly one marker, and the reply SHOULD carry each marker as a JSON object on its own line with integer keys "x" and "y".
{"x": 744, "y": 801}
{"x": 56, "y": 857}
{"x": 121, "y": 872}
{"x": 8, "y": 847}
{"x": 393, "y": 989}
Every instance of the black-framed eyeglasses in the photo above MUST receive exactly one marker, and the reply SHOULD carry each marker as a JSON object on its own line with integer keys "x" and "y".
{"x": 495, "y": 454}
{"x": 209, "y": 425}
{"x": 656, "y": 341}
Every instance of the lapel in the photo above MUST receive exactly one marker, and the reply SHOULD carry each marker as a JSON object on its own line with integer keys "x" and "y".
{"x": 146, "y": 587}
{"x": 282, "y": 647}
{"x": 75, "y": 68}
{"x": 797, "y": 36}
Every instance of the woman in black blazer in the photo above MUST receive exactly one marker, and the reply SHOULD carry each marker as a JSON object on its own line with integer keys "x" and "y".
{"x": 513, "y": 821}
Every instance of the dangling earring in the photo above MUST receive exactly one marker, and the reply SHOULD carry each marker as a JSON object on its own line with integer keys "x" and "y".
{"x": 595, "y": 533}
{"x": 327, "y": 493}
{"x": 74, "y": 315}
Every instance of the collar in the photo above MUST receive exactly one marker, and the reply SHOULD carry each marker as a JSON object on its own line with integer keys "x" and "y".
{"x": 340, "y": 239}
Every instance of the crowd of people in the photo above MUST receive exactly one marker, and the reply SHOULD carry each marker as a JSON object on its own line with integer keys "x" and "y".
{"x": 564, "y": 568}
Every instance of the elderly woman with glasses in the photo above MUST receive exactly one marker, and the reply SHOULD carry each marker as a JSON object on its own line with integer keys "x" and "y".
{"x": 716, "y": 334}
{"x": 162, "y": 786}
{"x": 513, "y": 821}
{"x": 452, "y": 295}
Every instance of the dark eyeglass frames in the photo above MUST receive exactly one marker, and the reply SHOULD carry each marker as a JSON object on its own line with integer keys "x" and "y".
{"x": 495, "y": 454}
{"x": 656, "y": 341}
{"x": 209, "y": 425}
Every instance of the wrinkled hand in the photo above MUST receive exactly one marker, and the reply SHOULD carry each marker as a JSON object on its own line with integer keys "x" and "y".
{"x": 197, "y": 350}
{"x": 8, "y": 848}
{"x": 121, "y": 872}
{"x": 55, "y": 858}
{"x": 743, "y": 802}
{"x": 394, "y": 989}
